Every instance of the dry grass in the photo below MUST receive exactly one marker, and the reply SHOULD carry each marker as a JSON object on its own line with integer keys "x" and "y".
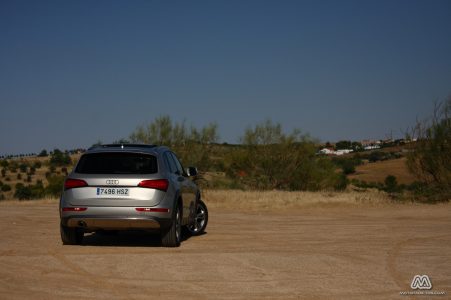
{"x": 267, "y": 201}
{"x": 378, "y": 171}
{"x": 284, "y": 200}
{"x": 16, "y": 202}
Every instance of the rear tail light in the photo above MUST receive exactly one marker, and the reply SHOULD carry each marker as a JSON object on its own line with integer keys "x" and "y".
{"x": 74, "y": 208}
{"x": 158, "y": 184}
{"x": 74, "y": 183}
{"x": 150, "y": 209}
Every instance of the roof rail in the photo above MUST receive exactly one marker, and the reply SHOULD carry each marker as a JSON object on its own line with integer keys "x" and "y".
{"x": 124, "y": 145}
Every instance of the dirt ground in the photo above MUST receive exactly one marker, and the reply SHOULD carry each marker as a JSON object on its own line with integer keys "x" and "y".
{"x": 358, "y": 252}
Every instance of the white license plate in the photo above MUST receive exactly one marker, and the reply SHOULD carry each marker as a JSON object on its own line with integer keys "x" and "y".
{"x": 113, "y": 191}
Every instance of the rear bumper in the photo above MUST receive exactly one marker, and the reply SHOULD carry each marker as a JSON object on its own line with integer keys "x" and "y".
{"x": 90, "y": 223}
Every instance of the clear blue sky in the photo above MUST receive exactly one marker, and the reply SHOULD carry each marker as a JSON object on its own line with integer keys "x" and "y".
{"x": 75, "y": 72}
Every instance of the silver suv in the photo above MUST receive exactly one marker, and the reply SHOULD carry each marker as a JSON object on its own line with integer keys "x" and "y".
{"x": 130, "y": 186}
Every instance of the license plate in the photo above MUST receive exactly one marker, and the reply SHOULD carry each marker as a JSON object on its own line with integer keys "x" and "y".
{"x": 113, "y": 191}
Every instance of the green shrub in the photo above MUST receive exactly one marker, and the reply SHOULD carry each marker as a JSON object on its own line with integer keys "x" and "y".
{"x": 6, "y": 188}
{"x": 4, "y": 163}
{"x": 64, "y": 171}
{"x": 430, "y": 159}
{"x": 23, "y": 167}
{"x": 23, "y": 192}
{"x": 271, "y": 159}
{"x": 348, "y": 168}
{"x": 391, "y": 184}
{"x": 32, "y": 171}
{"x": 341, "y": 183}
{"x": 43, "y": 153}
{"x": 55, "y": 186}
{"x": 58, "y": 158}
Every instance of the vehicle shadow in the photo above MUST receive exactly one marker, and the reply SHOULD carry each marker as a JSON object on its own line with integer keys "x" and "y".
{"x": 129, "y": 238}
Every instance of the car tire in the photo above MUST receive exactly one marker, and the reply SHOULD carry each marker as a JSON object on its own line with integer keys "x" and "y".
{"x": 172, "y": 236}
{"x": 71, "y": 236}
{"x": 200, "y": 219}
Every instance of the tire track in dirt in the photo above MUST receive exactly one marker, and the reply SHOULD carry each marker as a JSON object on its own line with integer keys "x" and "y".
{"x": 99, "y": 281}
{"x": 394, "y": 254}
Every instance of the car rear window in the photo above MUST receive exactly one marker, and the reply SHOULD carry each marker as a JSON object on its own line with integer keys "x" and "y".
{"x": 117, "y": 163}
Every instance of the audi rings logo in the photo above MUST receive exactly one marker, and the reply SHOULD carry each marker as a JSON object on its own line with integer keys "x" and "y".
{"x": 112, "y": 181}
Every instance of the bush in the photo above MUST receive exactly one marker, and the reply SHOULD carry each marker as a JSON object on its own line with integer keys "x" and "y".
{"x": 348, "y": 168}
{"x": 6, "y": 188}
{"x": 430, "y": 160}
{"x": 376, "y": 156}
{"x": 423, "y": 192}
{"x": 342, "y": 183}
{"x": 23, "y": 168}
{"x": 367, "y": 185}
{"x": 4, "y": 163}
{"x": 3, "y": 172}
{"x": 32, "y": 171}
{"x": 43, "y": 153}
{"x": 55, "y": 186}
{"x": 58, "y": 158}
{"x": 193, "y": 146}
{"x": 37, "y": 164}
{"x": 391, "y": 184}
{"x": 23, "y": 192}
{"x": 270, "y": 159}
{"x": 38, "y": 190}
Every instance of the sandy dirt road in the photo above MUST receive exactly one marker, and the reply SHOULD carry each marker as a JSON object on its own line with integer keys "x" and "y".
{"x": 317, "y": 253}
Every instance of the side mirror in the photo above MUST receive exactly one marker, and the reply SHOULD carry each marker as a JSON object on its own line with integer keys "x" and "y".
{"x": 191, "y": 171}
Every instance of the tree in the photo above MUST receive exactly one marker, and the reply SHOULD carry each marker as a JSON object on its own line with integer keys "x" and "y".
{"x": 356, "y": 146}
{"x": 193, "y": 146}
{"x": 43, "y": 153}
{"x": 271, "y": 159}
{"x": 343, "y": 145}
{"x": 58, "y": 158}
{"x": 121, "y": 141}
{"x": 430, "y": 160}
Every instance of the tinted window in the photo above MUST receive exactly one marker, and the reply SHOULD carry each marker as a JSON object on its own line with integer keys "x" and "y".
{"x": 117, "y": 163}
{"x": 170, "y": 162}
{"x": 178, "y": 164}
